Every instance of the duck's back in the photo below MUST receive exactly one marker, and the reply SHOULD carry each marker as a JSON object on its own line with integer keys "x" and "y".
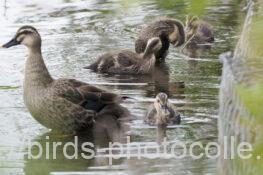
{"x": 205, "y": 31}
{"x": 127, "y": 58}
{"x": 117, "y": 59}
{"x": 175, "y": 117}
{"x": 154, "y": 29}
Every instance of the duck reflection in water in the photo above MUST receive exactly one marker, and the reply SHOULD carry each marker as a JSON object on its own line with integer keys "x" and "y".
{"x": 158, "y": 81}
{"x": 161, "y": 113}
{"x": 106, "y": 129}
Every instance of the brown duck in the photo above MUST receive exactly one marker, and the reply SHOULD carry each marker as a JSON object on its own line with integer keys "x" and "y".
{"x": 128, "y": 62}
{"x": 198, "y": 31}
{"x": 64, "y": 105}
{"x": 168, "y": 30}
{"x": 162, "y": 112}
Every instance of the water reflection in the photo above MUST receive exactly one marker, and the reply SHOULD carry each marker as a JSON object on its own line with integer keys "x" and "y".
{"x": 158, "y": 81}
{"x": 43, "y": 165}
{"x": 195, "y": 51}
{"x": 74, "y": 157}
{"x": 161, "y": 133}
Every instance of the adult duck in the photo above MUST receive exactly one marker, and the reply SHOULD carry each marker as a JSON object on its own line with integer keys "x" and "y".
{"x": 64, "y": 105}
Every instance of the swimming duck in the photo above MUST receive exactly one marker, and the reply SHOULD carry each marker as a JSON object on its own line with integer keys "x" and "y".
{"x": 64, "y": 105}
{"x": 162, "y": 112}
{"x": 198, "y": 31}
{"x": 168, "y": 30}
{"x": 128, "y": 62}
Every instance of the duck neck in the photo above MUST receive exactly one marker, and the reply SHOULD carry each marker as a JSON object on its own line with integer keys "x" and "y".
{"x": 160, "y": 116}
{"x": 165, "y": 42}
{"x": 36, "y": 72}
{"x": 148, "y": 54}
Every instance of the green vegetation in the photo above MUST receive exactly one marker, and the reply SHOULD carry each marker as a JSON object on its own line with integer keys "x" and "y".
{"x": 9, "y": 87}
{"x": 252, "y": 96}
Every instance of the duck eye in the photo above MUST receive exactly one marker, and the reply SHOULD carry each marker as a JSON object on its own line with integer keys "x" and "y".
{"x": 158, "y": 101}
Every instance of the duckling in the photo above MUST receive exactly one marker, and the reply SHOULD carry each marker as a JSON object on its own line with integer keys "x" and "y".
{"x": 128, "y": 62}
{"x": 168, "y": 30}
{"x": 162, "y": 112}
{"x": 64, "y": 105}
{"x": 198, "y": 31}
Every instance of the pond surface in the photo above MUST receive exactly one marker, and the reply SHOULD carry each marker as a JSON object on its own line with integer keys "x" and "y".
{"x": 74, "y": 34}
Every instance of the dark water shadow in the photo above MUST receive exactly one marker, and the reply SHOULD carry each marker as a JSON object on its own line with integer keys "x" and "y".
{"x": 196, "y": 51}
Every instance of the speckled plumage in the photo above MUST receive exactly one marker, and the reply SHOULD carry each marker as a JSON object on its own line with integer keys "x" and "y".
{"x": 156, "y": 115}
{"x": 151, "y": 117}
{"x": 65, "y": 105}
{"x": 162, "y": 28}
{"x": 128, "y": 62}
{"x": 198, "y": 31}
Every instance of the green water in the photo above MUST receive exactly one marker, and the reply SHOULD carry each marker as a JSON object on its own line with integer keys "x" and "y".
{"x": 74, "y": 33}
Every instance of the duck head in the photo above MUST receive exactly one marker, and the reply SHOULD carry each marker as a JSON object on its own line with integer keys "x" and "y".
{"x": 161, "y": 105}
{"x": 191, "y": 23}
{"x": 26, "y": 35}
{"x": 153, "y": 45}
{"x": 177, "y": 36}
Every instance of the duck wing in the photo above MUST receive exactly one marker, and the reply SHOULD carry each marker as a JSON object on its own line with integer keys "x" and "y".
{"x": 205, "y": 32}
{"x": 123, "y": 58}
{"x": 150, "y": 117}
{"x": 64, "y": 88}
{"x": 84, "y": 94}
{"x": 175, "y": 117}
{"x": 127, "y": 58}
{"x": 65, "y": 115}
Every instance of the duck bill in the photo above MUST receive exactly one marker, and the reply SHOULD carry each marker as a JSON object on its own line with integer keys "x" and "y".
{"x": 11, "y": 43}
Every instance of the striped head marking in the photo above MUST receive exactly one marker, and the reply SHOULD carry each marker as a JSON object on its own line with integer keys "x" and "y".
{"x": 26, "y": 35}
{"x": 191, "y": 22}
{"x": 162, "y": 105}
{"x": 153, "y": 45}
{"x": 162, "y": 98}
